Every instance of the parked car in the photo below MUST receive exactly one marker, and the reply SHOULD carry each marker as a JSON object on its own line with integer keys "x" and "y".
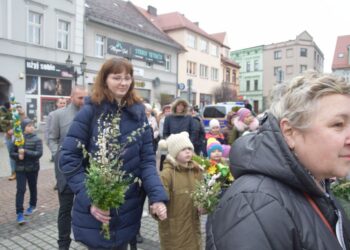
{"x": 219, "y": 112}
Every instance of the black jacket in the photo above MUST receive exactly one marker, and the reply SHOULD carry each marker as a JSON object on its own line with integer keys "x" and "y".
{"x": 174, "y": 124}
{"x": 198, "y": 135}
{"x": 266, "y": 207}
{"x": 33, "y": 150}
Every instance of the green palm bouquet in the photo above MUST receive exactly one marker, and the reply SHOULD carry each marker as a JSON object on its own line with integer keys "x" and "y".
{"x": 106, "y": 182}
{"x": 216, "y": 177}
{"x": 341, "y": 190}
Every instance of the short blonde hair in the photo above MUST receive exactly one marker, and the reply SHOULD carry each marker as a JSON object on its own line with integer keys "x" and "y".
{"x": 297, "y": 99}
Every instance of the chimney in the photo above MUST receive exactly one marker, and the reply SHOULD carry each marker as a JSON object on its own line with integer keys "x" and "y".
{"x": 152, "y": 10}
{"x": 196, "y": 23}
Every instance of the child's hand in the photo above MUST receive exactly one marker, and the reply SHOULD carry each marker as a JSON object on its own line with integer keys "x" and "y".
{"x": 202, "y": 211}
{"x": 21, "y": 153}
{"x": 159, "y": 209}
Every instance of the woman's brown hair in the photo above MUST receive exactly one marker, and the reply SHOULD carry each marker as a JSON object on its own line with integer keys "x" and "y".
{"x": 100, "y": 91}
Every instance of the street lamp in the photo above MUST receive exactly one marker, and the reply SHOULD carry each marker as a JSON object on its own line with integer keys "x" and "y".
{"x": 69, "y": 63}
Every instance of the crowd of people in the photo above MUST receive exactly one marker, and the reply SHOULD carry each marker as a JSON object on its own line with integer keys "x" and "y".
{"x": 281, "y": 163}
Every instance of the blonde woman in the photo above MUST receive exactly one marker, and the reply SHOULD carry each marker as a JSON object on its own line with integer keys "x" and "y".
{"x": 280, "y": 198}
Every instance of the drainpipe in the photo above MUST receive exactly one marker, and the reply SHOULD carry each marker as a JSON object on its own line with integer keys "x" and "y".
{"x": 177, "y": 72}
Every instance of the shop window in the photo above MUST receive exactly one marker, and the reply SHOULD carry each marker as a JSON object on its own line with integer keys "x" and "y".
{"x": 55, "y": 86}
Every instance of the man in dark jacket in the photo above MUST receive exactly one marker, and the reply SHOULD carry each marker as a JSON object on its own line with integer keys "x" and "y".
{"x": 61, "y": 120}
{"x": 198, "y": 132}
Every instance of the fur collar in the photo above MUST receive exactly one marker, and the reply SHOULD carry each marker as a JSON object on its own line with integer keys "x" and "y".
{"x": 175, "y": 165}
{"x": 177, "y": 102}
{"x": 241, "y": 126}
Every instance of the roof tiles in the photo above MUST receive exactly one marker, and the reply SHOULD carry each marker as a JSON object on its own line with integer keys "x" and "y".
{"x": 341, "y": 53}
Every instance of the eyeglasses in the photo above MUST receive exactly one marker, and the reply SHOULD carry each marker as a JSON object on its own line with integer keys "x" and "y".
{"x": 119, "y": 79}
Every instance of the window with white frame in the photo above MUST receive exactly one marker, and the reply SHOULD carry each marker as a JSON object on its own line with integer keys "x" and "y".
{"x": 248, "y": 66}
{"x": 303, "y": 68}
{"x": 203, "y": 71}
{"x": 276, "y": 70}
{"x": 248, "y": 85}
{"x": 289, "y": 53}
{"x": 289, "y": 69}
{"x": 35, "y": 27}
{"x": 63, "y": 34}
{"x": 256, "y": 65}
{"x": 227, "y": 74}
{"x": 256, "y": 85}
{"x": 303, "y": 52}
{"x": 204, "y": 46}
{"x": 99, "y": 46}
{"x": 277, "y": 54}
{"x": 234, "y": 76}
{"x": 191, "y": 41}
{"x": 168, "y": 62}
{"x": 214, "y": 74}
{"x": 191, "y": 68}
{"x": 213, "y": 50}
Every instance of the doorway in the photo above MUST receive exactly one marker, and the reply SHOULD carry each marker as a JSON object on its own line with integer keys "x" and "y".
{"x": 5, "y": 87}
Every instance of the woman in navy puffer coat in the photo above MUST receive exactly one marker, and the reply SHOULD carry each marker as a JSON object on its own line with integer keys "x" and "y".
{"x": 114, "y": 85}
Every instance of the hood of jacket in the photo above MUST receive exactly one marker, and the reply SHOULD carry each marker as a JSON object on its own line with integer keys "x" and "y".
{"x": 266, "y": 153}
{"x": 136, "y": 111}
{"x": 177, "y": 102}
{"x": 179, "y": 167}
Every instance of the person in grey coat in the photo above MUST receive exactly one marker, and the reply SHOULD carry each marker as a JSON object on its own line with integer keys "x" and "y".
{"x": 60, "y": 103}
{"x": 61, "y": 120}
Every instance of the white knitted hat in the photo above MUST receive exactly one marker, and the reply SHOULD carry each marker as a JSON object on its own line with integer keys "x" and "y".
{"x": 175, "y": 143}
{"x": 214, "y": 123}
{"x": 148, "y": 106}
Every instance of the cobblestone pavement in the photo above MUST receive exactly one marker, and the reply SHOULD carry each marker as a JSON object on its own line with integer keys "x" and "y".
{"x": 41, "y": 230}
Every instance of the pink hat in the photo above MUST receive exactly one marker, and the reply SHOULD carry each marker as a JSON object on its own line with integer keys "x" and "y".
{"x": 226, "y": 150}
{"x": 243, "y": 113}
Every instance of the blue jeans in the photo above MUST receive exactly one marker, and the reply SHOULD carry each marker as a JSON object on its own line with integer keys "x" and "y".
{"x": 12, "y": 162}
{"x": 21, "y": 179}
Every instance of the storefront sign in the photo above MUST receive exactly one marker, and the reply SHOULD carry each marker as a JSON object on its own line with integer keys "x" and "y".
{"x": 148, "y": 55}
{"x": 40, "y": 68}
{"x": 139, "y": 84}
{"x": 118, "y": 48}
{"x": 127, "y": 50}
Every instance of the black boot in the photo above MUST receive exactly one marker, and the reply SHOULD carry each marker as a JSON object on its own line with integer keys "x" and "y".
{"x": 139, "y": 238}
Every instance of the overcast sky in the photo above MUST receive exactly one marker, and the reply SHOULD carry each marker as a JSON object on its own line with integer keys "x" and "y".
{"x": 250, "y": 23}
